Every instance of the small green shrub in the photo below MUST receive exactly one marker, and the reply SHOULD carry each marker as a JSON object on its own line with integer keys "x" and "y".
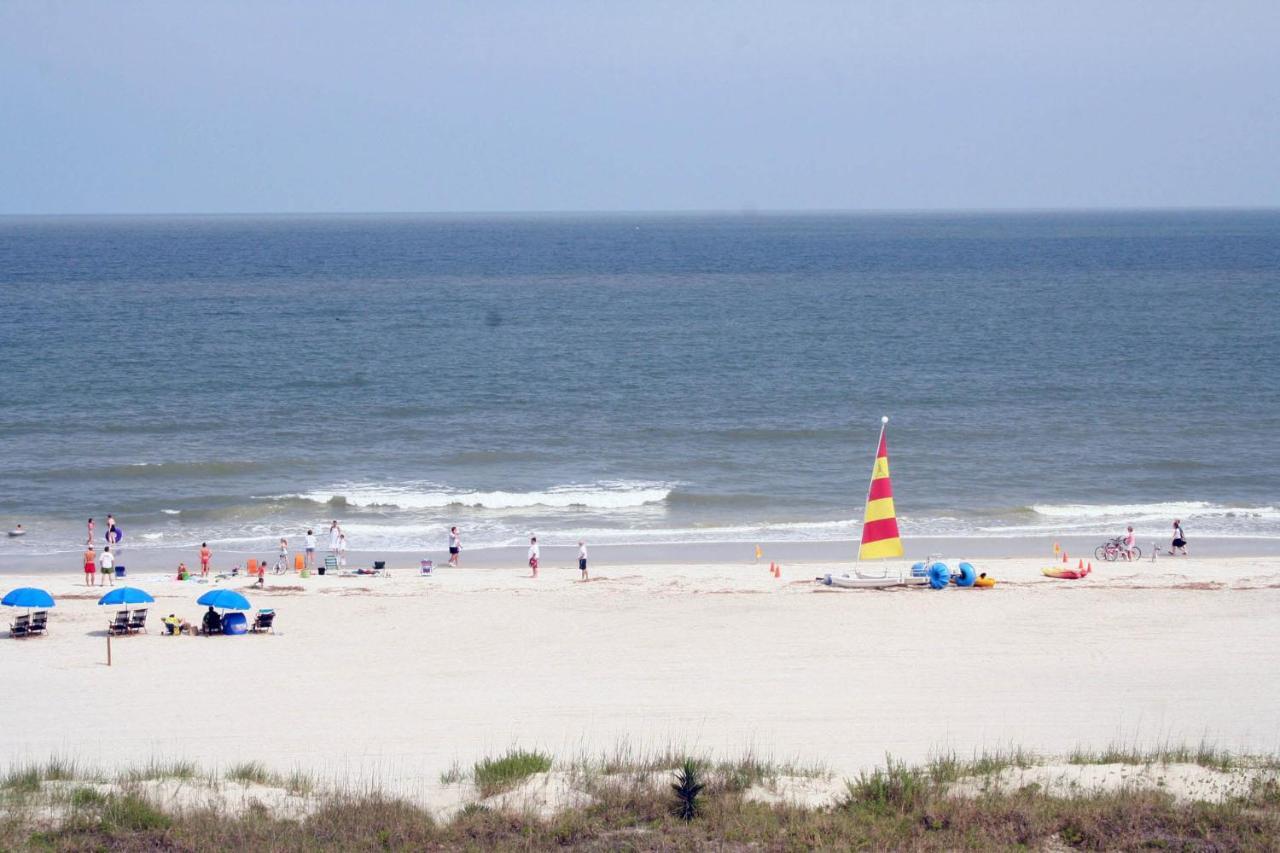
{"x": 131, "y": 813}
{"x": 84, "y": 798}
{"x": 495, "y": 775}
{"x": 687, "y": 787}
{"x": 250, "y": 772}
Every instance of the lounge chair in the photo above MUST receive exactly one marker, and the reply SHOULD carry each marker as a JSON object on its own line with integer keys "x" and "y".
{"x": 21, "y": 626}
{"x": 121, "y": 623}
{"x": 39, "y": 622}
{"x": 263, "y": 622}
{"x": 138, "y": 621}
{"x": 330, "y": 564}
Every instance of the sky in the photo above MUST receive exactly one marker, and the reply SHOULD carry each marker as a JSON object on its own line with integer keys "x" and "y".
{"x": 489, "y": 105}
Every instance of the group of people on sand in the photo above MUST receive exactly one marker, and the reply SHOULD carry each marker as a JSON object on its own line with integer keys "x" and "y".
{"x": 100, "y": 567}
{"x": 534, "y": 555}
{"x": 1178, "y": 546}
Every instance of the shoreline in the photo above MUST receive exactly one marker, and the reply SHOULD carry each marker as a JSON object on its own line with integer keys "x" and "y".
{"x": 835, "y": 554}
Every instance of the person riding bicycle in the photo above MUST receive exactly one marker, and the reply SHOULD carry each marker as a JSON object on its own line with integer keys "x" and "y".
{"x": 1130, "y": 541}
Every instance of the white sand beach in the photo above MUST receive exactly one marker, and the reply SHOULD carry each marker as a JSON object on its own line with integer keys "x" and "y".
{"x": 394, "y": 679}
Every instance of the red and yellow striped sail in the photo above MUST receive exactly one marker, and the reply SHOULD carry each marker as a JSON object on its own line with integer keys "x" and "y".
{"x": 880, "y": 522}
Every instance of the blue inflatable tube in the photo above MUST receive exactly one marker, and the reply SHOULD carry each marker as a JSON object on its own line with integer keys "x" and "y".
{"x": 939, "y": 575}
{"x": 966, "y": 575}
{"x": 919, "y": 570}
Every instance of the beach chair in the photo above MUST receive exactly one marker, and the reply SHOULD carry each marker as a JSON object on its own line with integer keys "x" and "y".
{"x": 263, "y": 622}
{"x": 121, "y": 623}
{"x": 330, "y": 564}
{"x": 138, "y": 621}
{"x": 39, "y": 622}
{"x": 426, "y": 568}
{"x": 20, "y": 626}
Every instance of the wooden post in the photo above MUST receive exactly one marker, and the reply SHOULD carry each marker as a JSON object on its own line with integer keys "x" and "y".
{"x": 108, "y": 648}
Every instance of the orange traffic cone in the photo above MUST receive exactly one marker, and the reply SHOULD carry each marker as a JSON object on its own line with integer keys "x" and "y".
{"x": 1089, "y": 568}
{"x": 1080, "y": 568}
{"x": 771, "y": 565}
{"x": 777, "y": 570}
{"x": 1064, "y": 556}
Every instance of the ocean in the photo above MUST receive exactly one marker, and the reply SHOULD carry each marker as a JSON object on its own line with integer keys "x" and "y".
{"x": 636, "y": 378}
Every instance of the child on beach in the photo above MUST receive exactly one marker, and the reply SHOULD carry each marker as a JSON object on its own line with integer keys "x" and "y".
{"x": 90, "y": 562}
{"x": 205, "y": 556}
{"x": 283, "y": 560}
{"x": 533, "y": 555}
{"x": 1130, "y": 540}
{"x": 310, "y": 542}
{"x": 455, "y": 546}
{"x": 342, "y": 550}
{"x": 183, "y": 574}
{"x": 1179, "y": 545}
{"x": 582, "y": 559}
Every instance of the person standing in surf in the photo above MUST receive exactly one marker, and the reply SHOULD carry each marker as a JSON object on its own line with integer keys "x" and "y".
{"x": 89, "y": 541}
{"x": 455, "y": 546}
{"x": 111, "y": 526}
{"x": 533, "y": 555}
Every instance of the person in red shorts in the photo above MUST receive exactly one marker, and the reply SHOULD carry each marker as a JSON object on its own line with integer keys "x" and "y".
{"x": 533, "y": 555}
{"x": 90, "y": 565}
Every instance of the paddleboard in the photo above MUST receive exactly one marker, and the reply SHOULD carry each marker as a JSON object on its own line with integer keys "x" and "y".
{"x": 1063, "y": 574}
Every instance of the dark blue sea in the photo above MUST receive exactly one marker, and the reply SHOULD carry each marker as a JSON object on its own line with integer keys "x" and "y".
{"x": 637, "y": 378}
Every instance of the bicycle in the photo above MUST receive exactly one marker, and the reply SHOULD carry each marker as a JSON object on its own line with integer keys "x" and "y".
{"x": 1115, "y": 549}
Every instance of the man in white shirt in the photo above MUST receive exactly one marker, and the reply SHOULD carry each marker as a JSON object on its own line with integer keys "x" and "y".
{"x": 107, "y": 562}
{"x": 582, "y": 558}
{"x": 533, "y": 554}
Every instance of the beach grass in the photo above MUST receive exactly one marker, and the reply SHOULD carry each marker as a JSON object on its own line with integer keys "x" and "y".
{"x": 495, "y": 775}
{"x": 634, "y": 806}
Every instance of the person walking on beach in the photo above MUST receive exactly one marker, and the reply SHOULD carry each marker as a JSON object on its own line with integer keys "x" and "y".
{"x": 533, "y": 555}
{"x": 1179, "y": 544}
{"x": 582, "y": 559}
{"x": 1130, "y": 541}
{"x": 90, "y": 563}
{"x": 455, "y": 546}
{"x": 282, "y": 561}
{"x": 310, "y": 542}
{"x": 205, "y": 556}
{"x": 107, "y": 562}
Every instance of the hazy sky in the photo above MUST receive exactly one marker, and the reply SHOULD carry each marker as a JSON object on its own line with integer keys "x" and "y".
{"x": 598, "y": 105}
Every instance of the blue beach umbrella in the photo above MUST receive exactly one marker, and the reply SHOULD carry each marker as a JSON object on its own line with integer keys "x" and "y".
{"x": 126, "y": 595}
{"x": 28, "y": 596}
{"x": 224, "y": 599}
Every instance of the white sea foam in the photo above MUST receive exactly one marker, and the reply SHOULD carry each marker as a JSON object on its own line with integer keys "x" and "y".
{"x": 172, "y": 511}
{"x": 604, "y": 495}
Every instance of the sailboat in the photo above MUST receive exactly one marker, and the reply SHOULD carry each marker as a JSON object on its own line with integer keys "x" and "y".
{"x": 880, "y": 536}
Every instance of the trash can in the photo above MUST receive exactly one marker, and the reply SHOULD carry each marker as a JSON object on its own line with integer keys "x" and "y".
{"x": 119, "y": 571}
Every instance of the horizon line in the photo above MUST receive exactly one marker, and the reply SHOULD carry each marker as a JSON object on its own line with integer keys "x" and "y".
{"x": 741, "y": 211}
